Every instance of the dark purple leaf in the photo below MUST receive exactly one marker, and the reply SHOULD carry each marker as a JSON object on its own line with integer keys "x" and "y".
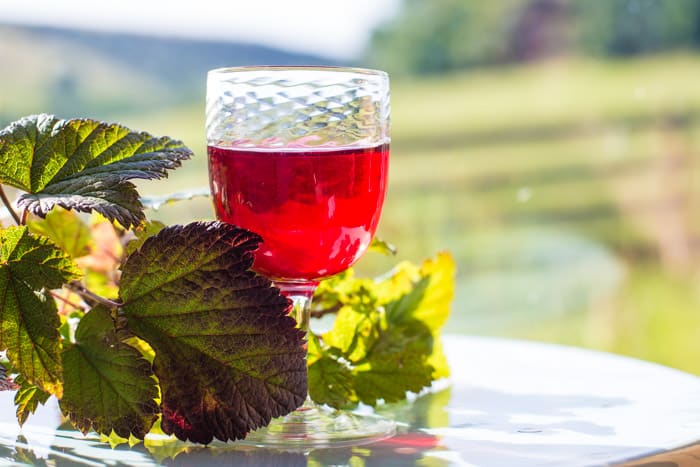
{"x": 228, "y": 356}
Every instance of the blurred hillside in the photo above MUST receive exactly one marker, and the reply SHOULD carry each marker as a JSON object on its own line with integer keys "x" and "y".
{"x": 70, "y": 72}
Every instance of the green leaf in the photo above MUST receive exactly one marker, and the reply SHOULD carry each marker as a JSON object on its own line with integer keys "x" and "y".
{"x": 329, "y": 380}
{"x": 228, "y": 356}
{"x": 83, "y": 164}
{"x": 426, "y": 293}
{"x": 142, "y": 233}
{"x": 66, "y": 230}
{"x": 34, "y": 260}
{"x": 396, "y": 364}
{"x": 333, "y": 292}
{"x": 115, "y": 199}
{"x": 28, "y": 318}
{"x": 385, "y": 339}
{"x": 383, "y": 247}
{"x": 386, "y": 360}
{"x": 107, "y": 385}
{"x": 6, "y": 384}
{"x": 27, "y": 399}
{"x": 358, "y": 325}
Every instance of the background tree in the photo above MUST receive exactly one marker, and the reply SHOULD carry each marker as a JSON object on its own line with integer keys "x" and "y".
{"x": 446, "y": 35}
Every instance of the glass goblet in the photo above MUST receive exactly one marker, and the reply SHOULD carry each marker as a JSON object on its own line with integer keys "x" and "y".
{"x": 300, "y": 156}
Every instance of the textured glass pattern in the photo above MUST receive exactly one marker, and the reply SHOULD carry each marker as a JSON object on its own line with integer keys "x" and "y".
{"x": 287, "y": 107}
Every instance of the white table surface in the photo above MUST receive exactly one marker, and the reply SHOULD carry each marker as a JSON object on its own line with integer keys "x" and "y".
{"x": 508, "y": 403}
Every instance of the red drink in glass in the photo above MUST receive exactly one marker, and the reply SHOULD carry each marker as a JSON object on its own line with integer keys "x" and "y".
{"x": 316, "y": 209}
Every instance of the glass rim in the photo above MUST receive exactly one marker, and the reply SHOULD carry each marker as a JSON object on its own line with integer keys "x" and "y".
{"x": 275, "y": 68}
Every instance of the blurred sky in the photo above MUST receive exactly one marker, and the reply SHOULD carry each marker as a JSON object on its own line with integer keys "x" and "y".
{"x": 333, "y": 28}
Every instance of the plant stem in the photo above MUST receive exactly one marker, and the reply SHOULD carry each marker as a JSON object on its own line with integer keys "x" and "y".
{"x": 325, "y": 311}
{"x": 90, "y": 296}
{"x": 8, "y": 205}
{"x": 65, "y": 300}
{"x": 24, "y": 217}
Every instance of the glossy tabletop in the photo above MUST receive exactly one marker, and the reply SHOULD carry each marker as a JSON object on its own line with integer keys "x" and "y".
{"x": 508, "y": 403}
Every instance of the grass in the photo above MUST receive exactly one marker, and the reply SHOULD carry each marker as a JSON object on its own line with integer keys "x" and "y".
{"x": 554, "y": 96}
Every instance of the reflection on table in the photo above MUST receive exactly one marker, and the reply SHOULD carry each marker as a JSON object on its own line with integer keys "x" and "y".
{"x": 508, "y": 403}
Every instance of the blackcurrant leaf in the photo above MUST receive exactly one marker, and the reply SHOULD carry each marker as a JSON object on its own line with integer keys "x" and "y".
{"x": 227, "y": 354}
{"x": 83, "y": 164}
{"x": 330, "y": 381}
{"x": 27, "y": 399}
{"x": 107, "y": 385}
{"x": 28, "y": 318}
{"x": 385, "y": 339}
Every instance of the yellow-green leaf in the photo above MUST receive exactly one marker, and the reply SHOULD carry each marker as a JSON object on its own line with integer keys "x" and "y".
{"x": 28, "y": 318}
{"x": 385, "y": 339}
{"x": 66, "y": 230}
{"x": 27, "y": 399}
{"x": 430, "y": 295}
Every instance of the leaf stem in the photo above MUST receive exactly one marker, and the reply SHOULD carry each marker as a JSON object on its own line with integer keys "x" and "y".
{"x": 65, "y": 300}
{"x": 8, "y": 205}
{"x": 90, "y": 296}
{"x": 326, "y": 311}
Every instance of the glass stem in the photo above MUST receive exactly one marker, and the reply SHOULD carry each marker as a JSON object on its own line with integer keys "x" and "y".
{"x": 312, "y": 425}
{"x": 300, "y": 293}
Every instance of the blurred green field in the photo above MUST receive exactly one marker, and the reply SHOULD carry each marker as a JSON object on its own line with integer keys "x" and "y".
{"x": 565, "y": 190}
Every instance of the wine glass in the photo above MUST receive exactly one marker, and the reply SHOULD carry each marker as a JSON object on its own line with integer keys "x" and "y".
{"x": 300, "y": 156}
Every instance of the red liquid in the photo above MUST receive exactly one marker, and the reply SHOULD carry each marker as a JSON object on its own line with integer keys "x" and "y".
{"x": 317, "y": 211}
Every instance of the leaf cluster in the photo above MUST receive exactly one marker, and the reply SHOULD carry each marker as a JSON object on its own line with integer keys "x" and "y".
{"x": 132, "y": 324}
{"x": 385, "y": 340}
{"x": 228, "y": 357}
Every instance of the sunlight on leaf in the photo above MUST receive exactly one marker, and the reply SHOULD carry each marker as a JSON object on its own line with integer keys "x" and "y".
{"x": 28, "y": 318}
{"x": 83, "y": 164}
{"x": 383, "y": 247}
{"x": 423, "y": 293}
{"x": 385, "y": 339}
{"x": 66, "y": 230}
{"x": 143, "y": 347}
{"x": 27, "y": 399}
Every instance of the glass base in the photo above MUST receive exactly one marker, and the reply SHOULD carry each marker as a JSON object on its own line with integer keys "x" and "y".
{"x": 314, "y": 426}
